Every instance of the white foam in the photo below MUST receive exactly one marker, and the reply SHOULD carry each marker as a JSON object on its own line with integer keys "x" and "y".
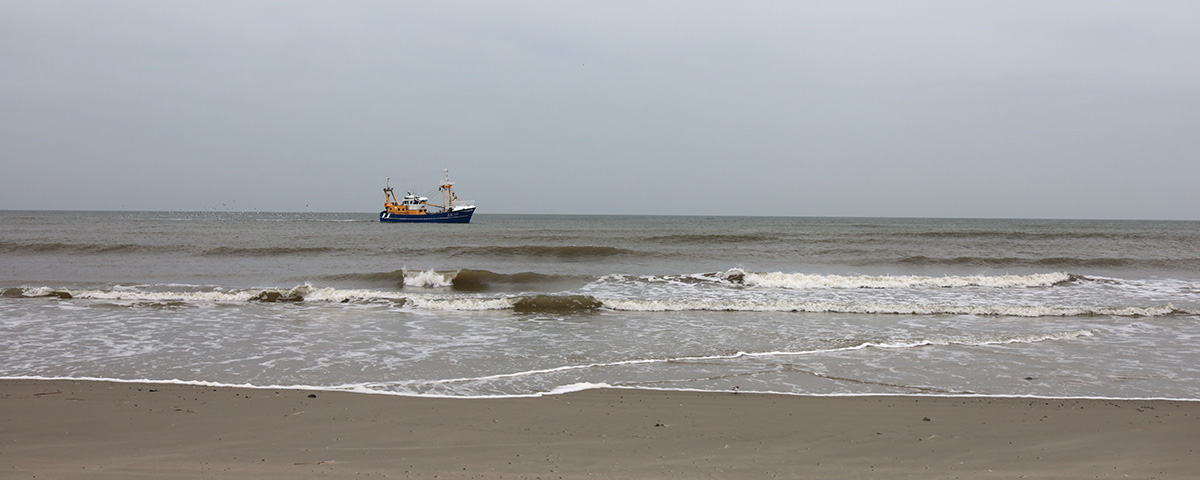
{"x": 899, "y": 344}
{"x": 577, "y": 387}
{"x": 427, "y": 279}
{"x": 307, "y": 291}
{"x": 215, "y": 296}
{"x": 975, "y": 342}
{"x": 450, "y": 303}
{"x": 37, "y": 291}
{"x": 732, "y": 304}
{"x": 335, "y": 295}
{"x": 367, "y": 388}
{"x": 727, "y": 305}
{"x": 807, "y": 281}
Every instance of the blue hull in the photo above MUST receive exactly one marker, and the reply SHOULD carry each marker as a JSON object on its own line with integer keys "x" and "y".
{"x": 461, "y": 216}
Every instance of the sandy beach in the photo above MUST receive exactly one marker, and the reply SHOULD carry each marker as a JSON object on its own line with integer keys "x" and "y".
{"x": 85, "y": 429}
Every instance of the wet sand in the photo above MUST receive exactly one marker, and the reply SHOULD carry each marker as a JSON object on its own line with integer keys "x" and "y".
{"x": 82, "y": 429}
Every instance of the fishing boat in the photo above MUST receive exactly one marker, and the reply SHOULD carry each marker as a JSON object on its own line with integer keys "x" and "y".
{"x": 417, "y": 209}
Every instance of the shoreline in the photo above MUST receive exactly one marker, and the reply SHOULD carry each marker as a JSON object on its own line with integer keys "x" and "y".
{"x": 568, "y": 389}
{"x": 109, "y": 429}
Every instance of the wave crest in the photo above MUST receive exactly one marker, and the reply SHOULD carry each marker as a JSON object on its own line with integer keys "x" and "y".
{"x": 465, "y": 280}
{"x": 574, "y": 303}
{"x": 428, "y": 279}
{"x": 889, "y": 309}
{"x": 35, "y": 292}
{"x": 300, "y": 293}
{"x": 556, "y": 304}
{"x": 712, "y": 238}
{"x": 81, "y": 248}
{"x": 393, "y": 278}
{"x": 266, "y": 251}
{"x": 568, "y": 252}
{"x": 805, "y": 281}
{"x": 482, "y": 280}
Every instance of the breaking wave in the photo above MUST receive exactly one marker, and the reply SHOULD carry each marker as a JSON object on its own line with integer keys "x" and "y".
{"x": 393, "y": 278}
{"x": 301, "y": 293}
{"x": 468, "y": 280}
{"x": 477, "y": 280}
{"x": 890, "y": 309}
{"x": 428, "y": 279}
{"x": 556, "y": 304}
{"x": 465, "y": 280}
{"x": 574, "y": 303}
{"x": 483, "y": 280}
{"x": 798, "y": 281}
{"x": 35, "y": 292}
{"x": 802, "y": 281}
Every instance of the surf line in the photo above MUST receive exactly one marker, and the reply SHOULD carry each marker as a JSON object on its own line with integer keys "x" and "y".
{"x": 734, "y": 356}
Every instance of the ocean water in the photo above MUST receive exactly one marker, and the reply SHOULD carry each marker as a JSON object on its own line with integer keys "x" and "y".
{"x": 514, "y": 305}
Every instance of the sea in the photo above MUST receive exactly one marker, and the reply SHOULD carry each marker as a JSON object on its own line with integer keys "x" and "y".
{"x": 529, "y": 305}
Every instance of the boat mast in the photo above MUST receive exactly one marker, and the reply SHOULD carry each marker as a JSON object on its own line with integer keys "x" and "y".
{"x": 447, "y": 193}
{"x": 389, "y": 197}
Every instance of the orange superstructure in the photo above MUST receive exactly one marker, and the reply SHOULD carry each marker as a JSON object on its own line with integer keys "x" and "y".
{"x": 411, "y": 205}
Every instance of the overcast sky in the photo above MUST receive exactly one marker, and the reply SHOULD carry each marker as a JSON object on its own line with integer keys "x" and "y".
{"x": 1030, "y": 109}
